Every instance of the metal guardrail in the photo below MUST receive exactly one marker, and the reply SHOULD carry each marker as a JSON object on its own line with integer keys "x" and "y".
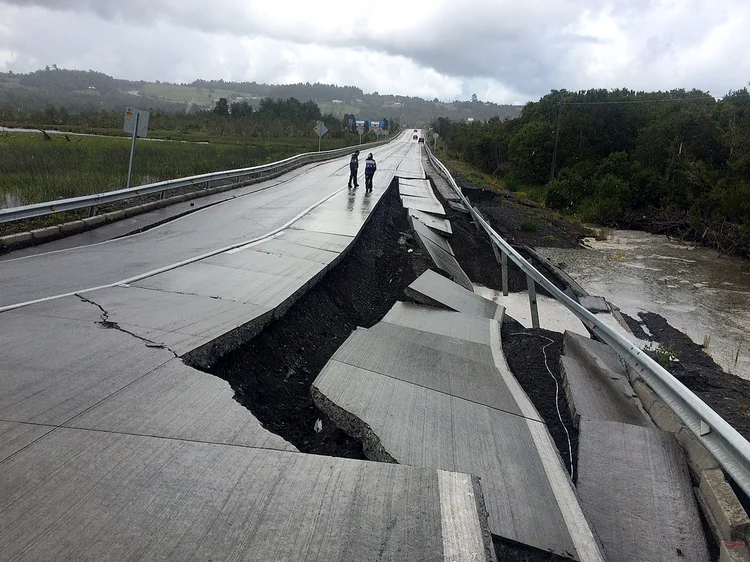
{"x": 730, "y": 449}
{"x": 91, "y": 202}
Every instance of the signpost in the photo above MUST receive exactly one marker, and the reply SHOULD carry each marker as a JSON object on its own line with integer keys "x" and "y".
{"x": 321, "y": 130}
{"x": 361, "y": 131}
{"x": 136, "y": 122}
{"x": 435, "y": 135}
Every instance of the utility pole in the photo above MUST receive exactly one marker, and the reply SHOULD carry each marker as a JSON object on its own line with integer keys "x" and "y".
{"x": 557, "y": 142}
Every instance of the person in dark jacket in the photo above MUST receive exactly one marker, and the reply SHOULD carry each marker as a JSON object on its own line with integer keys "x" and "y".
{"x": 370, "y": 167}
{"x": 353, "y": 167}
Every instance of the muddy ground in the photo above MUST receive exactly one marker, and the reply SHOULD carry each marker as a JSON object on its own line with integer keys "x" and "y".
{"x": 727, "y": 394}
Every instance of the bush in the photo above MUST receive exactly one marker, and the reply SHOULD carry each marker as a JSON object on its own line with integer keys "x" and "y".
{"x": 528, "y": 226}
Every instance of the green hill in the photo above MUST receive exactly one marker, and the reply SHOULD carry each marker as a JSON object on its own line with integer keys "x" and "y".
{"x": 79, "y": 91}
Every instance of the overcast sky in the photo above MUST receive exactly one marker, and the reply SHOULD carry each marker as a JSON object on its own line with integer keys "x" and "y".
{"x": 506, "y": 51}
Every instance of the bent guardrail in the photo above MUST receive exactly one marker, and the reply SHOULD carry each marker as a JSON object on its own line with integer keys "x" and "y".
{"x": 91, "y": 202}
{"x": 730, "y": 449}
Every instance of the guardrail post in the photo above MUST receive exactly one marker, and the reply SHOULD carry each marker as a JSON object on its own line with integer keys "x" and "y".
{"x": 504, "y": 269}
{"x": 161, "y": 195}
{"x": 92, "y": 210}
{"x": 532, "y": 302}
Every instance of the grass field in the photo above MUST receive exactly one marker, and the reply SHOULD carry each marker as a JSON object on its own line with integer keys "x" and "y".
{"x": 34, "y": 170}
{"x": 188, "y": 94}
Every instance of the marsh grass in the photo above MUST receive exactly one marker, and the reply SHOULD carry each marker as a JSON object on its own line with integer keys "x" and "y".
{"x": 34, "y": 170}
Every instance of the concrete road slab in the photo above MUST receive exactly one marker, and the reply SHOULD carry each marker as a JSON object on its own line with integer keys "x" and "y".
{"x": 257, "y": 261}
{"x": 445, "y": 190}
{"x": 280, "y": 247}
{"x": 597, "y": 385}
{"x": 436, "y": 223}
{"x": 329, "y": 222}
{"x": 411, "y": 167}
{"x": 635, "y": 487}
{"x": 224, "y": 283}
{"x": 129, "y": 225}
{"x": 453, "y": 345}
{"x": 418, "y": 426}
{"x": 594, "y": 304}
{"x": 443, "y": 260}
{"x": 437, "y": 289}
{"x": 316, "y": 240}
{"x": 179, "y": 402}
{"x": 458, "y": 206}
{"x": 439, "y": 321}
{"x": 15, "y": 436}
{"x": 101, "y": 496}
{"x": 55, "y": 368}
{"x": 416, "y": 188}
{"x": 412, "y": 181}
{"x": 422, "y": 204}
{"x": 428, "y": 367}
{"x": 436, "y": 238}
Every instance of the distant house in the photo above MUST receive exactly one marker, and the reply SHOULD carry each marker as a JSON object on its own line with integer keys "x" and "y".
{"x": 470, "y": 119}
{"x": 337, "y": 101}
{"x": 393, "y": 104}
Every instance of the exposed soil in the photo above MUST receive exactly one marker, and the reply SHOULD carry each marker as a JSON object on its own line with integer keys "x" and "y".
{"x": 727, "y": 394}
{"x": 474, "y": 251}
{"x": 517, "y": 552}
{"x": 272, "y": 374}
{"x": 520, "y": 221}
{"x": 531, "y": 355}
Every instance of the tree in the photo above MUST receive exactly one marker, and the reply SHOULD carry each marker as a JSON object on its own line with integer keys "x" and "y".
{"x": 474, "y": 98}
{"x": 222, "y": 107}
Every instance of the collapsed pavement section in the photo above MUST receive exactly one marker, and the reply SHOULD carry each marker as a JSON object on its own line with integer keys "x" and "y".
{"x": 432, "y": 398}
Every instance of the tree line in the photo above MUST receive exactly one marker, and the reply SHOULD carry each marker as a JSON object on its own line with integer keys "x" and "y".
{"x": 674, "y": 162}
{"x": 274, "y": 118}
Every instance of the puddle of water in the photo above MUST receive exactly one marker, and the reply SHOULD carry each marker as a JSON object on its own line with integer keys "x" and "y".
{"x": 700, "y": 292}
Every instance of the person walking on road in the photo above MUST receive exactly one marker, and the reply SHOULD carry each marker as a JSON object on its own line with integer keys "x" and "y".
{"x": 370, "y": 167}
{"x": 353, "y": 167}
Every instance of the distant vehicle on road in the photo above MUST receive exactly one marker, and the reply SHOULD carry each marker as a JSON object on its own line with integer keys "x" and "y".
{"x": 415, "y": 130}
{"x": 421, "y": 139}
{"x": 414, "y": 137}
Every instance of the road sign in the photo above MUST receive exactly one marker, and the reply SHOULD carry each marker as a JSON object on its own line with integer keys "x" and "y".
{"x": 361, "y": 131}
{"x": 320, "y": 128}
{"x": 136, "y": 118}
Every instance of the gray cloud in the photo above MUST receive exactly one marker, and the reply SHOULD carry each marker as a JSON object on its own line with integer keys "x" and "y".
{"x": 516, "y": 50}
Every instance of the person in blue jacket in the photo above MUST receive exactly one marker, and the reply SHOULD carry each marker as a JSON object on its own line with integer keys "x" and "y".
{"x": 370, "y": 167}
{"x": 353, "y": 167}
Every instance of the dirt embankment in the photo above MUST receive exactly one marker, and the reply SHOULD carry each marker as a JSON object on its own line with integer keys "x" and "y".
{"x": 272, "y": 374}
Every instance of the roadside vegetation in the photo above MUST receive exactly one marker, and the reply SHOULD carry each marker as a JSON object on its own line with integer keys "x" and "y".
{"x": 37, "y": 167}
{"x": 34, "y": 170}
{"x": 675, "y": 162}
